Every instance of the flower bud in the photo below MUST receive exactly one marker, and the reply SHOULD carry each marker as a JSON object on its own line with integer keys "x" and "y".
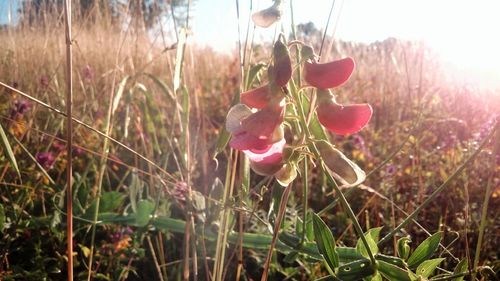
{"x": 404, "y": 248}
{"x": 267, "y": 17}
{"x": 282, "y": 67}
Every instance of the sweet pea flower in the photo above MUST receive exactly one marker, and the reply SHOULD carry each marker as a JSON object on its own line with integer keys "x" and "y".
{"x": 328, "y": 75}
{"x": 254, "y": 130}
{"x": 259, "y": 135}
{"x": 259, "y": 97}
{"x": 267, "y": 17}
{"x": 279, "y": 74}
{"x": 267, "y": 161}
{"x": 342, "y": 119}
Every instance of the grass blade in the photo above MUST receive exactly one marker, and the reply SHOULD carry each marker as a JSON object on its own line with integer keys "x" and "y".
{"x": 8, "y": 150}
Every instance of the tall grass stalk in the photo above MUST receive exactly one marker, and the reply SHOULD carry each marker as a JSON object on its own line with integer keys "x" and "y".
{"x": 224, "y": 216}
{"x": 484, "y": 213}
{"x": 112, "y": 107}
{"x": 90, "y": 128}
{"x": 69, "y": 138}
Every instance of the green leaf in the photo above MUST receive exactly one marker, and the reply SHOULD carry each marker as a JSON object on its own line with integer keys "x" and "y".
{"x": 317, "y": 130}
{"x": 424, "y": 250}
{"x": 163, "y": 86}
{"x": 325, "y": 242}
{"x": 8, "y": 151}
{"x": 461, "y": 267}
{"x": 392, "y": 272}
{"x": 426, "y": 268}
{"x": 309, "y": 227}
{"x": 372, "y": 237}
{"x": 198, "y": 201}
{"x": 144, "y": 210}
{"x": 291, "y": 257}
{"x": 252, "y": 74}
{"x": 392, "y": 260}
{"x": 375, "y": 277}
{"x": 119, "y": 94}
{"x": 110, "y": 201}
{"x": 355, "y": 270}
{"x": 348, "y": 254}
{"x": 222, "y": 141}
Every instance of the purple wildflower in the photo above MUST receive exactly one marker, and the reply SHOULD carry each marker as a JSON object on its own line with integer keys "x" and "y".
{"x": 359, "y": 142}
{"x": 20, "y": 107}
{"x": 45, "y": 159}
{"x": 87, "y": 73}
{"x": 44, "y": 81}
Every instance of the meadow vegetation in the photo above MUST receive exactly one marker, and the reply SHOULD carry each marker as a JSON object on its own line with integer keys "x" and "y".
{"x": 162, "y": 218}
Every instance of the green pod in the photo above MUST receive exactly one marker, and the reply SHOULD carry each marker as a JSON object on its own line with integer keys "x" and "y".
{"x": 404, "y": 248}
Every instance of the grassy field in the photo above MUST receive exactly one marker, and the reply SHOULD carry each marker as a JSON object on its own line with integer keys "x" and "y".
{"x": 159, "y": 196}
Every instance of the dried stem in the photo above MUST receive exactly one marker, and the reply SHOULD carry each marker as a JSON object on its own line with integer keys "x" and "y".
{"x": 69, "y": 139}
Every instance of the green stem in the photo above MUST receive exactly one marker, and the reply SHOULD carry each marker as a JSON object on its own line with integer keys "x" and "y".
{"x": 341, "y": 197}
{"x": 484, "y": 212}
{"x": 439, "y": 189}
{"x": 305, "y": 188}
{"x": 345, "y": 205}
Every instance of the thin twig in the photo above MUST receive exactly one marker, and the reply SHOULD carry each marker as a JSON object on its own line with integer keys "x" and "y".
{"x": 277, "y": 226}
{"x": 69, "y": 139}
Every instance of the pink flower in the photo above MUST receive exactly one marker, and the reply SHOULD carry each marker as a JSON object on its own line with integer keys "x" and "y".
{"x": 279, "y": 75}
{"x": 255, "y": 130}
{"x": 267, "y": 161}
{"x": 342, "y": 119}
{"x": 259, "y": 135}
{"x": 256, "y": 98}
{"x": 328, "y": 75}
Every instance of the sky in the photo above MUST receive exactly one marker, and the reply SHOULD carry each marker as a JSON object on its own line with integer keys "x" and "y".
{"x": 463, "y": 32}
{"x": 8, "y": 11}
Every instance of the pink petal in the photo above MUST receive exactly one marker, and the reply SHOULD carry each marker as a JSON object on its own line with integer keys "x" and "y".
{"x": 234, "y": 117}
{"x": 344, "y": 119}
{"x": 244, "y": 140}
{"x": 266, "y": 169}
{"x": 271, "y": 154}
{"x": 264, "y": 122}
{"x": 328, "y": 75}
{"x": 256, "y": 98}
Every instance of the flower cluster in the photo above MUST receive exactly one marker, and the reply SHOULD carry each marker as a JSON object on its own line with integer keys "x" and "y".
{"x": 256, "y": 124}
{"x": 260, "y": 134}
{"x": 338, "y": 118}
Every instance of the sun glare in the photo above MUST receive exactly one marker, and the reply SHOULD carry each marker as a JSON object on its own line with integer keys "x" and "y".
{"x": 463, "y": 33}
